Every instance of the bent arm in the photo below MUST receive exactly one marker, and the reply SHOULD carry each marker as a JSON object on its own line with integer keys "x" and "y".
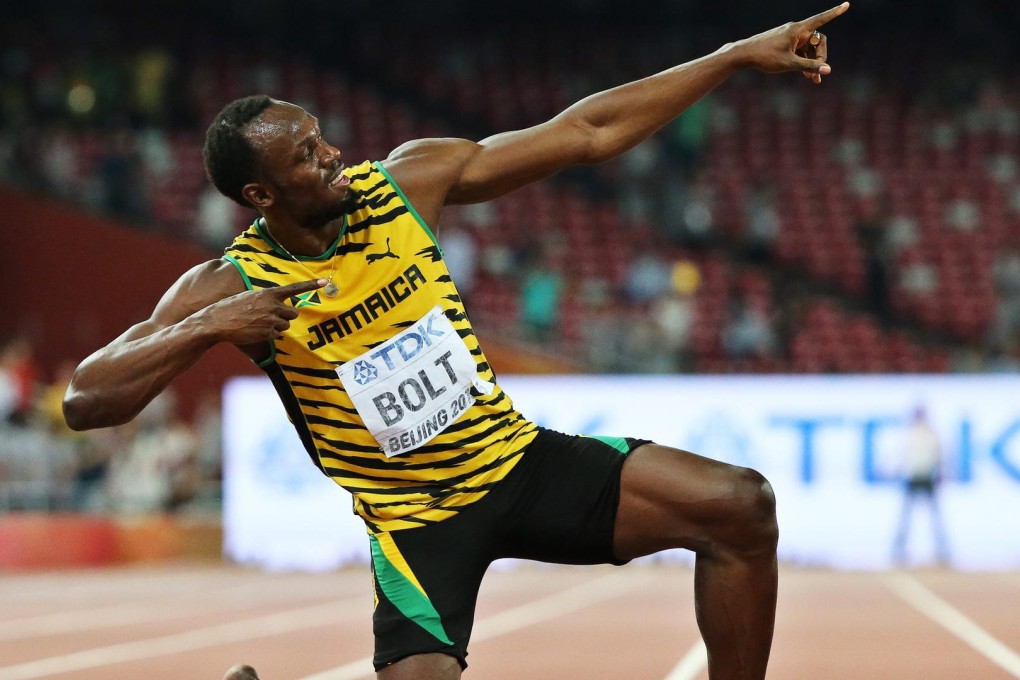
{"x": 116, "y": 382}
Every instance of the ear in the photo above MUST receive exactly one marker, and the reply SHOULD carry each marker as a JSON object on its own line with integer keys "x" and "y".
{"x": 258, "y": 195}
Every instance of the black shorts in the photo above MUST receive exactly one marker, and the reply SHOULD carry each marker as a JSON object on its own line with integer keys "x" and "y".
{"x": 558, "y": 505}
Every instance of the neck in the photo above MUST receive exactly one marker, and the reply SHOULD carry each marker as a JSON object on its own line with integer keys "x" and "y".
{"x": 304, "y": 241}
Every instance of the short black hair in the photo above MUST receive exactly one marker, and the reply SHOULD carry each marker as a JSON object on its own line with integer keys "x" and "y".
{"x": 230, "y": 159}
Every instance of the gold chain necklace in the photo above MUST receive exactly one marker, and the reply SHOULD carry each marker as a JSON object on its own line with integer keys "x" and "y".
{"x": 330, "y": 289}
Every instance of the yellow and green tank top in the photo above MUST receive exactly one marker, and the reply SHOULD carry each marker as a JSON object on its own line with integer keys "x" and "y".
{"x": 390, "y": 272}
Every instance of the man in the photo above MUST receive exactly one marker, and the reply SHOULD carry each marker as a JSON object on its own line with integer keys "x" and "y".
{"x": 340, "y": 294}
{"x": 921, "y": 471}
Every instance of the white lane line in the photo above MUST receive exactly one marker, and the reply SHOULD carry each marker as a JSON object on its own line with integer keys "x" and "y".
{"x": 212, "y": 636}
{"x": 956, "y": 622}
{"x": 552, "y": 606}
{"x": 199, "y": 603}
{"x": 97, "y": 592}
{"x": 35, "y": 589}
{"x": 692, "y": 663}
{"x": 222, "y": 599}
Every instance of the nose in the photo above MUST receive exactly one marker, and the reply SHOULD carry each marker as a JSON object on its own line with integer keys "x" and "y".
{"x": 331, "y": 156}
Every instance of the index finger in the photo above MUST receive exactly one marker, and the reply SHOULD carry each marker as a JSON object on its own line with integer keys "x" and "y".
{"x": 292, "y": 289}
{"x": 825, "y": 17}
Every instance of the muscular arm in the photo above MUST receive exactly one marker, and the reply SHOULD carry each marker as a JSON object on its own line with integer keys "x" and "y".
{"x": 208, "y": 305}
{"x": 599, "y": 127}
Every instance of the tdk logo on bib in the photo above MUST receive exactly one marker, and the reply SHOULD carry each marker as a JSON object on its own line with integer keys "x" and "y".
{"x": 365, "y": 373}
{"x": 409, "y": 343}
{"x": 415, "y": 386}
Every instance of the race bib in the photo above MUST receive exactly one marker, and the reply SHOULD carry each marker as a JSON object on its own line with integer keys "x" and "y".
{"x": 414, "y": 386}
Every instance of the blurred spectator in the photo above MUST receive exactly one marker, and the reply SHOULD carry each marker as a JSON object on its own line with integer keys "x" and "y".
{"x": 921, "y": 473}
{"x": 49, "y": 409}
{"x": 674, "y": 313}
{"x": 479, "y": 215}
{"x": 602, "y": 334}
{"x": 689, "y": 133}
{"x": 59, "y": 164}
{"x": 151, "y": 71}
{"x": 1005, "y": 325}
{"x": 901, "y": 234}
{"x": 916, "y": 277}
{"x": 461, "y": 256}
{"x": 688, "y": 212}
{"x": 641, "y": 162}
{"x": 944, "y": 136}
{"x": 209, "y": 442}
{"x": 963, "y": 214}
{"x": 8, "y": 391}
{"x": 120, "y": 172}
{"x": 1002, "y": 168}
{"x": 18, "y": 373}
{"x": 158, "y": 469}
{"x": 872, "y": 237}
{"x": 218, "y": 219}
{"x": 647, "y": 277}
{"x": 750, "y": 333}
{"x": 1002, "y": 360}
{"x": 541, "y": 295}
{"x": 993, "y": 112}
{"x": 155, "y": 153}
{"x": 864, "y": 183}
{"x": 336, "y": 128}
{"x": 849, "y": 152}
{"x": 644, "y": 346}
{"x": 761, "y": 220}
{"x": 92, "y": 467}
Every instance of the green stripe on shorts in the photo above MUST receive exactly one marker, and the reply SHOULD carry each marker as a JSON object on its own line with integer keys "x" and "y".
{"x": 410, "y": 601}
{"x": 618, "y": 443}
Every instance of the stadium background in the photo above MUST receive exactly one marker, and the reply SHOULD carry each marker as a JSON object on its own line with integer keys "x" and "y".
{"x": 867, "y": 226}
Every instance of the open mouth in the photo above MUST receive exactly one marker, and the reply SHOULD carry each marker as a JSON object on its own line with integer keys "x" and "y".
{"x": 341, "y": 180}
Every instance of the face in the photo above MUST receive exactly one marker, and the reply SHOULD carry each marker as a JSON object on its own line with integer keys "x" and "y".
{"x": 299, "y": 172}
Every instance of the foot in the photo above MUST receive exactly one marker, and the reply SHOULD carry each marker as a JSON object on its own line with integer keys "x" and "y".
{"x": 241, "y": 672}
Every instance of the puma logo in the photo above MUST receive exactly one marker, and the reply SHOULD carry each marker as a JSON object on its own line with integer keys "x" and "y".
{"x": 372, "y": 257}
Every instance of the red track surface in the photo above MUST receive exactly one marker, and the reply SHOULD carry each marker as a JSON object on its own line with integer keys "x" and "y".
{"x": 193, "y": 622}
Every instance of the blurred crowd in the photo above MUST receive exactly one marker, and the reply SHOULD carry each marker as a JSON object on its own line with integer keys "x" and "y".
{"x": 114, "y": 124}
{"x": 157, "y": 463}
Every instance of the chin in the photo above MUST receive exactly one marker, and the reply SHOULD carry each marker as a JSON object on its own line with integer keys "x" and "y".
{"x": 333, "y": 212}
{"x": 349, "y": 203}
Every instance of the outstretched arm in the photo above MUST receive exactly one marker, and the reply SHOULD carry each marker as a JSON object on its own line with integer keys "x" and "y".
{"x": 608, "y": 123}
{"x": 208, "y": 305}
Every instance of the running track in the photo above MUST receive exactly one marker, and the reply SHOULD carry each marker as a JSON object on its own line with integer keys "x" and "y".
{"x": 193, "y": 622}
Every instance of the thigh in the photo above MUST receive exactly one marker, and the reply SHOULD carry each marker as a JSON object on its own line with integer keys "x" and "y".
{"x": 426, "y": 583}
{"x": 676, "y": 499}
{"x": 561, "y": 507}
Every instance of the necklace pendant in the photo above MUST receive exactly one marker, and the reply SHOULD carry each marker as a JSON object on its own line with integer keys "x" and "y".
{"x": 331, "y": 289}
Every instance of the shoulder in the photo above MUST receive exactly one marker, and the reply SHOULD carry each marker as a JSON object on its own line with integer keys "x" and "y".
{"x": 427, "y": 170}
{"x": 435, "y": 149}
{"x": 430, "y": 164}
{"x": 203, "y": 285}
{"x": 220, "y": 274}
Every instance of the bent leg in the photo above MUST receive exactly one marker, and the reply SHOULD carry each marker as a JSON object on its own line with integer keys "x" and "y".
{"x": 726, "y": 515}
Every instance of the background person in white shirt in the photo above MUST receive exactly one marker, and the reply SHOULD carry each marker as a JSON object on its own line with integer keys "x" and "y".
{"x": 921, "y": 473}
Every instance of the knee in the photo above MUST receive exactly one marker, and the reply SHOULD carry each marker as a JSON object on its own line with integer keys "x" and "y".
{"x": 241, "y": 672}
{"x": 753, "y": 522}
